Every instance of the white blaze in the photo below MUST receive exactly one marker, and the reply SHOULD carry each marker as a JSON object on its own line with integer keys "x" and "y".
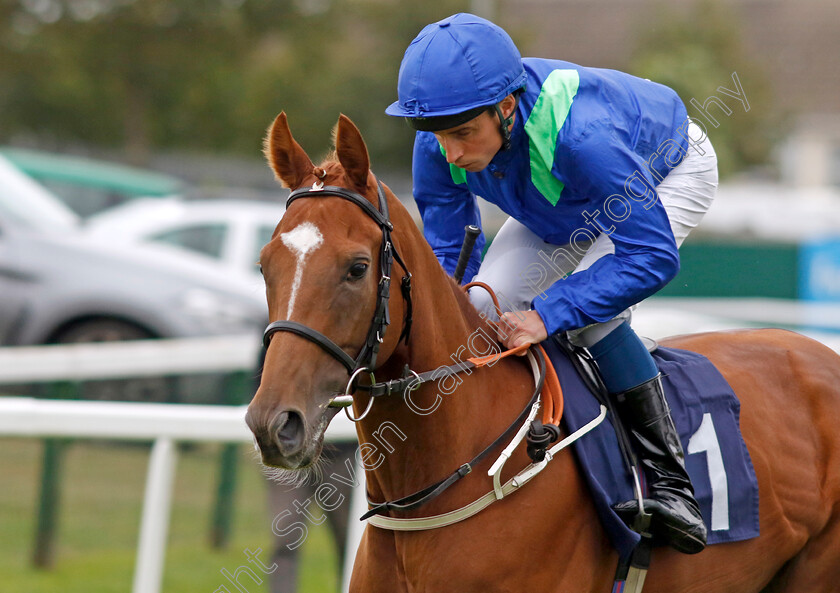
{"x": 302, "y": 240}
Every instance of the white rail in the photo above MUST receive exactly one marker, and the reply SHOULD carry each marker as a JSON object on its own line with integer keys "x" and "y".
{"x": 142, "y": 358}
{"x": 164, "y": 424}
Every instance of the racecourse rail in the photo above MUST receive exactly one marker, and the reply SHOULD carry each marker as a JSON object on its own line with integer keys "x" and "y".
{"x": 164, "y": 424}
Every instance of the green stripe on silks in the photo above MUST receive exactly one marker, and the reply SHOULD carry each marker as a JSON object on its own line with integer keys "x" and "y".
{"x": 547, "y": 117}
{"x": 459, "y": 175}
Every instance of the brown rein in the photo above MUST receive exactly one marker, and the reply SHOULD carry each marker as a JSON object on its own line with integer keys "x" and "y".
{"x": 548, "y": 386}
{"x": 552, "y": 394}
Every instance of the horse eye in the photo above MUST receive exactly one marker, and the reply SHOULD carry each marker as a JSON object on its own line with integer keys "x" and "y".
{"x": 259, "y": 267}
{"x": 357, "y": 271}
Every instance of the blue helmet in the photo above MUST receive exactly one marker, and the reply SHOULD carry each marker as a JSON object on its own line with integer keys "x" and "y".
{"x": 453, "y": 70}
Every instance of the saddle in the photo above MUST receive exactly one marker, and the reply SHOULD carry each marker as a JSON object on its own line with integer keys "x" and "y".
{"x": 706, "y": 413}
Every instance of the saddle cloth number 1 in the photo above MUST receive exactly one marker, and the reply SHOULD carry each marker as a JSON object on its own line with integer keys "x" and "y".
{"x": 705, "y": 439}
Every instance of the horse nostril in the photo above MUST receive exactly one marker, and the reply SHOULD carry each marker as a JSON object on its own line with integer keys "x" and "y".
{"x": 288, "y": 429}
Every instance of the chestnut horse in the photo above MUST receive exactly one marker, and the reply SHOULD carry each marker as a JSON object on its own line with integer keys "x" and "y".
{"x": 322, "y": 271}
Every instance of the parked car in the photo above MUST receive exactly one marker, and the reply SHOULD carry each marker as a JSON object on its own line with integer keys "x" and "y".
{"x": 227, "y": 232}
{"x": 88, "y": 186}
{"x": 58, "y": 285}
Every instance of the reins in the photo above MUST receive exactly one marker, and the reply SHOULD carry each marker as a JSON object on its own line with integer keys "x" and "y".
{"x": 553, "y": 404}
{"x": 539, "y": 434}
{"x": 421, "y": 497}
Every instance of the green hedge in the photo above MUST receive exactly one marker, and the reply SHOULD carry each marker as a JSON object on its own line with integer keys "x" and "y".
{"x": 736, "y": 269}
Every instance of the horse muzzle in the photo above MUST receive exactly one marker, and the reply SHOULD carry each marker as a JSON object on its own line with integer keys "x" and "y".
{"x": 282, "y": 440}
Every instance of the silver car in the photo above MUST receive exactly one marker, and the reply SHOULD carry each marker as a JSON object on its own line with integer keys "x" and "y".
{"x": 58, "y": 286}
{"x": 228, "y": 232}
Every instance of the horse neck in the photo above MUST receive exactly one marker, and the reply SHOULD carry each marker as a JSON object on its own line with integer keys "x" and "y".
{"x": 443, "y": 317}
{"x": 411, "y": 445}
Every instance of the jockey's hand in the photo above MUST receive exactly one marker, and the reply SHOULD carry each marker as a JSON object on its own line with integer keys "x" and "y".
{"x": 521, "y": 327}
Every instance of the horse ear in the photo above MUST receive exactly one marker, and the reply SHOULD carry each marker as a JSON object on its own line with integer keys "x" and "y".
{"x": 287, "y": 159}
{"x": 352, "y": 152}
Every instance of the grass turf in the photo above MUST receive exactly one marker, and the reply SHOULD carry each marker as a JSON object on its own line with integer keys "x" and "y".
{"x": 99, "y": 516}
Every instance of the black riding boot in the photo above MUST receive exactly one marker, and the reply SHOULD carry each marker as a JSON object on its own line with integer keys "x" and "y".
{"x": 676, "y": 515}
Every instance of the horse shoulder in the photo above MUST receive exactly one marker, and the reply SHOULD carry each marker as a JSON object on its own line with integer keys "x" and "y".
{"x": 377, "y": 569}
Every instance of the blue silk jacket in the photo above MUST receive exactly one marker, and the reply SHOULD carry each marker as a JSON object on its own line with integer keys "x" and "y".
{"x": 588, "y": 148}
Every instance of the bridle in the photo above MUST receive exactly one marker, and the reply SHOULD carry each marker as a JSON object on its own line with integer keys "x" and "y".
{"x": 365, "y": 360}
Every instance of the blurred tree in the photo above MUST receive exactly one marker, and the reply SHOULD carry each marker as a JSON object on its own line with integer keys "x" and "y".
{"x": 115, "y": 73}
{"x": 696, "y": 52}
{"x": 208, "y": 75}
{"x": 339, "y": 56}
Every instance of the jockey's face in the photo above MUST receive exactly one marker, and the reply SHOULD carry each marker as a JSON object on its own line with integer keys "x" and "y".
{"x": 472, "y": 145}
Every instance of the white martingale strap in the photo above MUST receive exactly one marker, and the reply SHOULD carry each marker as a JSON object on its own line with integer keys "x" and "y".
{"x": 496, "y": 468}
{"x": 498, "y": 492}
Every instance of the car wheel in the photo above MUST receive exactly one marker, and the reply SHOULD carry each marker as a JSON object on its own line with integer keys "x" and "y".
{"x": 102, "y": 330}
{"x": 145, "y": 389}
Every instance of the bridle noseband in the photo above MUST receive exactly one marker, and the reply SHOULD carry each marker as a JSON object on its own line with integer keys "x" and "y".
{"x": 366, "y": 358}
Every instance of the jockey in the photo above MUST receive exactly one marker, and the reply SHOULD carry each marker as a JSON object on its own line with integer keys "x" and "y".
{"x": 603, "y": 176}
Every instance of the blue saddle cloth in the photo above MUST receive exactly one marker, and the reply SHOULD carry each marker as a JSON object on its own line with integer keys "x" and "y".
{"x": 706, "y": 414}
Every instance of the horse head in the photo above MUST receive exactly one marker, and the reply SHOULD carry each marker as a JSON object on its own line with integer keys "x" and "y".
{"x": 322, "y": 273}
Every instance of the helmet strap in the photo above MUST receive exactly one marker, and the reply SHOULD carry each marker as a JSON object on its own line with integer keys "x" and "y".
{"x": 504, "y": 123}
